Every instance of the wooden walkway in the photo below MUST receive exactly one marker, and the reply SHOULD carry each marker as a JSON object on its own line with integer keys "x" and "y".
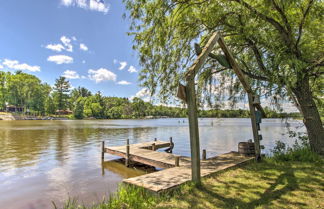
{"x": 172, "y": 176}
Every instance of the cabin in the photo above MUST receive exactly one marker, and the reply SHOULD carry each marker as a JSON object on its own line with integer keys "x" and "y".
{"x": 63, "y": 112}
{"x": 13, "y": 108}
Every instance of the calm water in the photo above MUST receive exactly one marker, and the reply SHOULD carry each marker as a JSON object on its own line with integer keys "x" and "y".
{"x": 44, "y": 161}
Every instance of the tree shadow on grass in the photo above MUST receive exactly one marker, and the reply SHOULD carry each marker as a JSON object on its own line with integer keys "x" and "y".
{"x": 206, "y": 196}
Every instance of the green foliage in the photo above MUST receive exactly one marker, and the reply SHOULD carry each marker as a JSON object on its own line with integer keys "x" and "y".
{"x": 61, "y": 92}
{"x": 300, "y": 151}
{"x": 126, "y": 197}
{"x": 50, "y": 106}
{"x": 23, "y": 90}
{"x": 42, "y": 99}
{"x": 79, "y": 108}
{"x": 277, "y": 42}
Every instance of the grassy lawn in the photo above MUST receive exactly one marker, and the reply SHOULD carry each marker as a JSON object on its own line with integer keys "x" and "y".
{"x": 257, "y": 185}
{"x": 268, "y": 184}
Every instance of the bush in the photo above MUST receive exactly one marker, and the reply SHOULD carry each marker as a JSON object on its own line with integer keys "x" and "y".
{"x": 300, "y": 151}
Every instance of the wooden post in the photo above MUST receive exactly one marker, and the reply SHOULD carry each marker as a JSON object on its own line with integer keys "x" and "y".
{"x": 177, "y": 161}
{"x": 171, "y": 142}
{"x": 102, "y": 168}
{"x": 204, "y": 155}
{"x": 155, "y": 139}
{"x": 254, "y": 128}
{"x": 127, "y": 153}
{"x": 153, "y": 147}
{"x": 194, "y": 131}
{"x": 102, "y": 150}
{"x": 192, "y": 107}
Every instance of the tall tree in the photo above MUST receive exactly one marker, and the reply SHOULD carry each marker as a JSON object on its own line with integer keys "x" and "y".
{"x": 3, "y": 89}
{"x": 278, "y": 44}
{"x": 61, "y": 92}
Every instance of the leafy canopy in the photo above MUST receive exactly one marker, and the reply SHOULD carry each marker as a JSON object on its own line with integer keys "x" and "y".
{"x": 278, "y": 43}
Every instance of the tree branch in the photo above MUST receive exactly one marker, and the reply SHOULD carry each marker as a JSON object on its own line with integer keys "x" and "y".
{"x": 257, "y": 55}
{"x": 282, "y": 14}
{"x": 300, "y": 30}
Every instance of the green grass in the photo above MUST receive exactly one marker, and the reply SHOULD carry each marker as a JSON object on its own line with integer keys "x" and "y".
{"x": 269, "y": 184}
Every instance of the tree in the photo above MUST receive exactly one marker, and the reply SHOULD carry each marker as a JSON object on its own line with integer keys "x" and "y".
{"x": 50, "y": 106}
{"x": 277, "y": 43}
{"x": 61, "y": 92}
{"x": 22, "y": 89}
{"x": 79, "y": 106}
{"x": 3, "y": 89}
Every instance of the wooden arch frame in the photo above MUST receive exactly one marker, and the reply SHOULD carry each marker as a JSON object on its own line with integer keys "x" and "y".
{"x": 190, "y": 98}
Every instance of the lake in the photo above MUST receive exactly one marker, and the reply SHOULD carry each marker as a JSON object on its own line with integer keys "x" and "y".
{"x": 44, "y": 161}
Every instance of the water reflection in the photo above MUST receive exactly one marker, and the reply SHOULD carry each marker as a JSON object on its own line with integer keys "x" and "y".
{"x": 44, "y": 161}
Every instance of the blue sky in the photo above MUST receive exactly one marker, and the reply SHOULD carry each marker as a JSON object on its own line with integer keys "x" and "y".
{"x": 85, "y": 40}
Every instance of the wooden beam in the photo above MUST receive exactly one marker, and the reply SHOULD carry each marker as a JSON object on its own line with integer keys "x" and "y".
{"x": 199, "y": 62}
{"x": 192, "y": 107}
{"x": 102, "y": 150}
{"x": 254, "y": 128}
{"x": 250, "y": 93}
{"x": 234, "y": 65}
{"x": 193, "y": 131}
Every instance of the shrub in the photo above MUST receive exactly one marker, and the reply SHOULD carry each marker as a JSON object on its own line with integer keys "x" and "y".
{"x": 300, "y": 151}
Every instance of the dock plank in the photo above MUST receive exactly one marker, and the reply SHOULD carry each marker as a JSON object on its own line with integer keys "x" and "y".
{"x": 171, "y": 176}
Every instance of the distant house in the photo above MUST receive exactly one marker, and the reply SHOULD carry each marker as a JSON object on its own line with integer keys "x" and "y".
{"x": 63, "y": 112}
{"x": 13, "y": 108}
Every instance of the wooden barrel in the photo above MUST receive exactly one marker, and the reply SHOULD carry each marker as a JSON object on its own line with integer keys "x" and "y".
{"x": 246, "y": 148}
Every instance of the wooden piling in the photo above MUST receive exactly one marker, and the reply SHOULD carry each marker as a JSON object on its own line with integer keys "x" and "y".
{"x": 127, "y": 153}
{"x": 177, "y": 161}
{"x": 155, "y": 139}
{"x": 204, "y": 154}
{"x": 153, "y": 147}
{"x": 254, "y": 128}
{"x": 102, "y": 150}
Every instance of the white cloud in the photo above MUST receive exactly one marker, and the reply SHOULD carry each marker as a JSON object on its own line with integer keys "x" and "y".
{"x": 83, "y": 47}
{"x": 144, "y": 94}
{"x": 60, "y": 59}
{"x": 70, "y": 74}
{"x": 67, "y": 43}
{"x": 67, "y": 2}
{"x": 132, "y": 69}
{"x": 14, "y": 64}
{"x": 94, "y": 5}
{"x": 55, "y": 47}
{"x": 123, "y": 82}
{"x": 99, "y": 5}
{"x": 1, "y": 67}
{"x": 101, "y": 74}
{"x": 122, "y": 65}
{"x": 115, "y": 61}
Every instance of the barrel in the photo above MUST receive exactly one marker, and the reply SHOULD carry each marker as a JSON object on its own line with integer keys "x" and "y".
{"x": 246, "y": 148}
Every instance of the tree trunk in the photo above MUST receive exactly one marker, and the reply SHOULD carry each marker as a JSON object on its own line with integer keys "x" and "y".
{"x": 312, "y": 119}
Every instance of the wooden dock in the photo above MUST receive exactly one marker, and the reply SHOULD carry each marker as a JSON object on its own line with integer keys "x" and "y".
{"x": 177, "y": 169}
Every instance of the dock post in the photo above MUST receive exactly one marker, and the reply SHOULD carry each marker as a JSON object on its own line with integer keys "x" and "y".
{"x": 127, "y": 153}
{"x": 102, "y": 150}
{"x": 204, "y": 155}
{"x": 153, "y": 147}
{"x": 155, "y": 139}
{"x": 177, "y": 160}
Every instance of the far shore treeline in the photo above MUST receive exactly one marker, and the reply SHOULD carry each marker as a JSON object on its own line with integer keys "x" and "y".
{"x": 27, "y": 92}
